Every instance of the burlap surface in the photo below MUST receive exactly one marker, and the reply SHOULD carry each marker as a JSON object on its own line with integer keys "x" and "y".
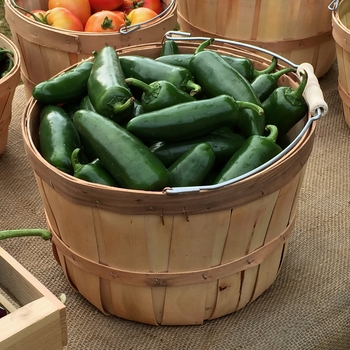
{"x": 308, "y": 306}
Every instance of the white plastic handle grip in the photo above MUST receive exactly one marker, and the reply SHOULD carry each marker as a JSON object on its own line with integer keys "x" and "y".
{"x": 313, "y": 93}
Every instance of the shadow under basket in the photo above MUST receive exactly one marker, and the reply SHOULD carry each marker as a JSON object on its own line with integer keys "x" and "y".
{"x": 171, "y": 259}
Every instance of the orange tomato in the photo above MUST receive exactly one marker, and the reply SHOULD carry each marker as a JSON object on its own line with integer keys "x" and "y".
{"x": 60, "y": 17}
{"x": 105, "y": 21}
{"x": 139, "y": 15}
{"x": 80, "y": 8}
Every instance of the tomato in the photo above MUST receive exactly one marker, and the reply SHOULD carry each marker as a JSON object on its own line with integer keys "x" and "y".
{"x": 105, "y": 21}
{"x": 139, "y": 15}
{"x": 129, "y": 5}
{"x": 79, "y": 8}
{"x": 59, "y": 17}
{"x": 99, "y": 5}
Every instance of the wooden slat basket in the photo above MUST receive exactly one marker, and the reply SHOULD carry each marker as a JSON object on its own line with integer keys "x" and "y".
{"x": 341, "y": 34}
{"x": 171, "y": 259}
{"x": 47, "y": 51}
{"x": 299, "y": 30}
{"x": 8, "y": 86}
{"x": 37, "y": 318}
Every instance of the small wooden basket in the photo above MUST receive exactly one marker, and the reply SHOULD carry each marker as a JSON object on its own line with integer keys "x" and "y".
{"x": 341, "y": 34}
{"x": 47, "y": 51}
{"x": 300, "y": 31}
{"x": 40, "y": 321}
{"x": 8, "y": 86}
{"x": 171, "y": 259}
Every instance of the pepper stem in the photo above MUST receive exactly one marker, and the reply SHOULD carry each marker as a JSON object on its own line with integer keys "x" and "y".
{"x": 44, "y": 234}
{"x": 249, "y": 105}
{"x": 297, "y": 94}
{"x": 193, "y": 88}
{"x": 272, "y": 136}
{"x": 204, "y": 45}
{"x": 268, "y": 69}
{"x": 75, "y": 159}
{"x": 120, "y": 106}
{"x": 140, "y": 84}
{"x": 279, "y": 73}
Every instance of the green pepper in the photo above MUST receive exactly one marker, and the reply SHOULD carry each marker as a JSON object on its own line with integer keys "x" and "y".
{"x": 122, "y": 154}
{"x": 6, "y": 60}
{"x": 69, "y": 86}
{"x": 243, "y": 65}
{"x": 286, "y": 106}
{"x": 159, "y": 94}
{"x": 91, "y": 172}
{"x": 58, "y": 137}
{"x": 71, "y": 107}
{"x": 169, "y": 47}
{"x": 265, "y": 84}
{"x": 217, "y": 77}
{"x": 193, "y": 166}
{"x": 189, "y": 119}
{"x": 255, "y": 151}
{"x": 4, "y": 54}
{"x": 106, "y": 85}
{"x": 149, "y": 70}
{"x": 28, "y": 232}
{"x": 85, "y": 103}
{"x": 223, "y": 145}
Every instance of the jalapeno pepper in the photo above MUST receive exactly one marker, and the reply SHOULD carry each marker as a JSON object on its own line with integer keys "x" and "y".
{"x": 69, "y": 86}
{"x": 169, "y": 47}
{"x": 149, "y": 70}
{"x": 85, "y": 103}
{"x": 286, "y": 106}
{"x": 254, "y": 152}
{"x": 265, "y": 84}
{"x": 58, "y": 137}
{"x": 6, "y": 60}
{"x": 122, "y": 154}
{"x": 91, "y": 172}
{"x": 189, "y": 119}
{"x": 106, "y": 86}
{"x": 28, "y": 232}
{"x": 217, "y": 77}
{"x": 223, "y": 145}
{"x": 243, "y": 65}
{"x": 193, "y": 166}
{"x": 159, "y": 94}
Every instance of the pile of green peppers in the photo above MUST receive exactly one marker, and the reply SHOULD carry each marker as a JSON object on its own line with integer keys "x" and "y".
{"x": 6, "y": 61}
{"x": 176, "y": 120}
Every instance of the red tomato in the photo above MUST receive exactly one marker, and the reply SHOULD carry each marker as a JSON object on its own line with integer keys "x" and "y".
{"x": 104, "y": 21}
{"x": 79, "y": 8}
{"x": 59, "y": 17}
{"x": 129, "y": 5}
{"x": 139, "y": 15}
{"x": 100, "y": 5}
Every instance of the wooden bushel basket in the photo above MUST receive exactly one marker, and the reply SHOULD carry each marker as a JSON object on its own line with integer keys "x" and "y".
{"x": 341, "y": 34}
{"x": 46, "y": 50}
{"x": 8, "y": 86}
{"x": 300, "y": 31}
{"x": 171, "y": 259}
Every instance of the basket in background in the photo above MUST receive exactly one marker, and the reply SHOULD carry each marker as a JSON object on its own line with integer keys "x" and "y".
{"x": 8, "y": 86}
{"x": 300, "y": 31}
{"x": 47, "y": 51}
